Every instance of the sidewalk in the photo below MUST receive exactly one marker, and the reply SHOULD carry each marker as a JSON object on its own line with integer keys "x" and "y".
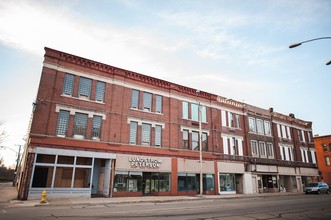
{"x": 11, "y": 193}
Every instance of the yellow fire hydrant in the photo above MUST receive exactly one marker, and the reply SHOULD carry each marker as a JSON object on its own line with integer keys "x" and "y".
{"x": 43, "y": 197}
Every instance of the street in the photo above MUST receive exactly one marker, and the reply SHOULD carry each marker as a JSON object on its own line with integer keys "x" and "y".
{"x": 296, "y": 206}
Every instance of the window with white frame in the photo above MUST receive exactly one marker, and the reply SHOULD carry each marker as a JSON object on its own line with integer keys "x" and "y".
{"x": 238, "y": 125}
{"x": 68, "y": 85}
{"x": 300, "y": 135}
{"x": 259, "y": 125}
{"x": 100, "y": 91}
{"x": 96, "y": 127}
{"x": 134, "y": 99}
{"x": 195, "y": 140}
{"x": 267, "y": 128}
{"x": 158, "y": 104}
{"x": 185, "y": 139}
{"x": 194, "y": 112}
{"x": 62, "y": 123}
{"x": 232, "y": 145}
{"x": 146, "y": 134}
{"x": 270, "y": 150}
{"x": 158, "y": 135}
{"x": 327, "y": 161}
{"x": 203, "y": 113}
{"x": 313, "y": 156}
{"x": 185, "y": 110}
{"x": 133, "y": 132}
{"x": 251, "y": 123}
{"x": 80, "y": 125}
{"x": 204, "y": 141}
{"x": 231, "y": 119}
{"x": 263, "y": 150}
{"x": 147, "y": 101}
{"x": 254, "y": 148}
{"x": 85, "y": 86}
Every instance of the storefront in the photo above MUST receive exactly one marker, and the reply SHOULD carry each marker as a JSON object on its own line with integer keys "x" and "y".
{"x": 70, "y": 173}
{"x": 230, "y": 177}
{"x": 188, "y": 177}
{"x": 142, "y": 175}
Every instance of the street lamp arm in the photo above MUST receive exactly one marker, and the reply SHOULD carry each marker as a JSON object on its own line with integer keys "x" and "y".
{"x": 298, "y": 44}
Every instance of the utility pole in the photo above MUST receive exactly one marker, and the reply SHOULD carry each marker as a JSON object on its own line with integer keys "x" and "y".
{"x": 17, "y": 162}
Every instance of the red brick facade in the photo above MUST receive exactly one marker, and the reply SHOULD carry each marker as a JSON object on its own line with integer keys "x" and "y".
{"x": 227, "y": 123}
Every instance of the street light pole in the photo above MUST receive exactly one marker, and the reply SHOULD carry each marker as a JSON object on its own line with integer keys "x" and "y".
{"x": 200, "y": 146}
{"x": 306, "y": 41}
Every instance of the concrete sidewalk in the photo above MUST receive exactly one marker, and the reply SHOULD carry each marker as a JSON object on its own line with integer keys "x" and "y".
{"x": 11, "y": 195}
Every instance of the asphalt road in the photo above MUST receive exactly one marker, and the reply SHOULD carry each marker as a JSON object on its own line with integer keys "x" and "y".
{"x": 296, "y": 206}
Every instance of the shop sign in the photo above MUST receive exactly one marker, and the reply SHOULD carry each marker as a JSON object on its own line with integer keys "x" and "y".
{"x": 143, "y": 162}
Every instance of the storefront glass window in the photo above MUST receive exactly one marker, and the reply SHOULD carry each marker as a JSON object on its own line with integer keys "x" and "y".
{"x": 186, "y": 182}
{"x": 227, "y": 182}
{"x": 43, "y": 174}
{"x": 208, "y": 182}
{"x": 125, "y": 181}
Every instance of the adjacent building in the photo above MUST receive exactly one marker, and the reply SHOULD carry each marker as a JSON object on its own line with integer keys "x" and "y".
{"x": 99, "y": 130}
{"x": 323, "y": 153}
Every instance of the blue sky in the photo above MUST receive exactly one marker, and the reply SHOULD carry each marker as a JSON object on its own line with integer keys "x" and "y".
{"x": 237, "y": 49}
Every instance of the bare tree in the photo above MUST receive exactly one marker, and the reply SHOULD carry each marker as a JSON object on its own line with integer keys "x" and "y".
{"x": 3, "y": 134}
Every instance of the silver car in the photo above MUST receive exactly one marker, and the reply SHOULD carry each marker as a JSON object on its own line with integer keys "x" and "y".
{"x": 318, "y": 188}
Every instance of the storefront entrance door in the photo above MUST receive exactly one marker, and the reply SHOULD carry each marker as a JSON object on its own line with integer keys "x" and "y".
{"x": 146, "y": 184}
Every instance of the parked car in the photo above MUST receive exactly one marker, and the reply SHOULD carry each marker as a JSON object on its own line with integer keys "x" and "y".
{"x": 317, "y": 188}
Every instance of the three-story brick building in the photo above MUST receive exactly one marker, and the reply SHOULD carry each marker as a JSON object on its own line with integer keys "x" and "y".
{"x": 105, "y": 131}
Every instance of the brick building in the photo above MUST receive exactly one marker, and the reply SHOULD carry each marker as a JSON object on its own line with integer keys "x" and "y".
{"x": 323, "y": 154}
{"x": 98, "y": 130}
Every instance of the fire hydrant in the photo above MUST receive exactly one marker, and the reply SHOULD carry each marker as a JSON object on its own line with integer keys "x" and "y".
{"x": 43, "y": 197}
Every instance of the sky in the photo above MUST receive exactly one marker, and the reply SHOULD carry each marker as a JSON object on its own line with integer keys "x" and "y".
{"x": 236, "y": 49}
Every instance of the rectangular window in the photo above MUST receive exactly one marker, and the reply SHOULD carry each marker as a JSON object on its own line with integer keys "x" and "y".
{"x": 62, "y": 123}
{"x": 186, "y": 182}
{"x": 195, "y": 140}
{"x": 85, "y": 86}
{"x": 288, "y": 133}
{"x": 238, "y": 121}
{"x": 203, "y": 113}
{"x": 135, "y": 99}
{"x": 263, "y": 150}
{"x": 80, "y": 125}
{"x": 146, "y": 134}
{"x": 300, "y": 135}
{"x": 133, "y": 132}
{"x": 259, "y": 125}
{"x": 158, "y": 107}
{"x": 231, "y": 119}
{"x": 223, "y": 118}
{"x": 325, "y": 149}
{"x": 194, "y": 112}
{"x": 327, "y": 161}
{"x": 96, "y": 127}
{"x": 185, "y": 139}
{"x": 283, "y": 131}
{"x": 255, "y": 152}
{"x": 251, "y": 122}
{"x": 267, "y": 127}
{"x": 147, "y": 101}
{"x": 158, "y": 135}
{"x": 100, "y": 91}
{"x": 68, "y": 85}
{"x": 270, "y": 151}
{"x": 204, "y": 142}
{"x": 185, "y": 110}
{"x": 227, "y": 182}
